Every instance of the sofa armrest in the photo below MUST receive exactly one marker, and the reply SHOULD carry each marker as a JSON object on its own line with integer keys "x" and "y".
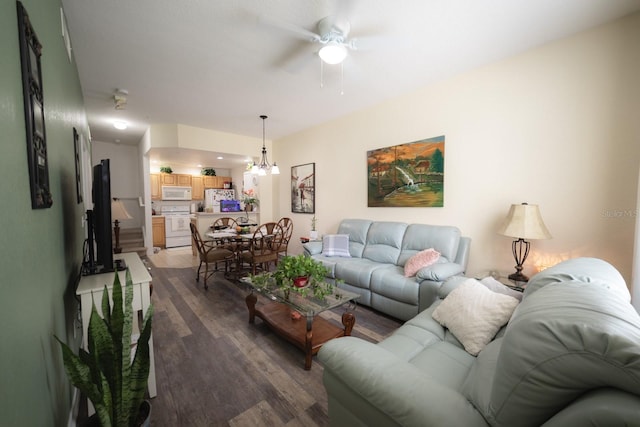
{"x": 395, "y": 387}
{"x": 440, "y": 272}
{"x": 599, "y": 407}
{"x": 312, "y": 248}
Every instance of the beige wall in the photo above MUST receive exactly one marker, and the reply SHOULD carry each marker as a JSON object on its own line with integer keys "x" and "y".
{"x": 556, "y": 126}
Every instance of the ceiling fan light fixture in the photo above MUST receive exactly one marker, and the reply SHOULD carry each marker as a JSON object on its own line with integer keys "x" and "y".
{"x": 333, "y": 53}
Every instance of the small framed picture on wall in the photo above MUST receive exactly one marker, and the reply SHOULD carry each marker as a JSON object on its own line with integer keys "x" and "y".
{"x": 303, "y": 188}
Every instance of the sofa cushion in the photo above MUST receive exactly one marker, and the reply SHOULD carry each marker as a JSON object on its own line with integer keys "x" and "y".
{"x": 357, "y": 271}
{"x": 559, "y": 346}
{"x": 336, "y": 245}
{"x": 421, "y": 259}
{"x": 477, "y": 385}
{"x": 390, "y": 282}
{"x": 384, "y": 241}
{"x": 444, "y": 239}
{"x": 357, "y": 230}
{"x": 424, "y": 343}
{"x": 474, "y": 314}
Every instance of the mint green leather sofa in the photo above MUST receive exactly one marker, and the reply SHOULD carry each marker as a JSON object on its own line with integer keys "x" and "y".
{"x": 379, "y": 251}
{"x": 569, "y": 356}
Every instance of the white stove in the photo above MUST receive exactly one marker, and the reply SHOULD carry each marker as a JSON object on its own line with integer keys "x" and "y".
{"x": 176, "y": 221}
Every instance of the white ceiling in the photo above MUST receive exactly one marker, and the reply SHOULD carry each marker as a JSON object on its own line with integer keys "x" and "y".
{"x": 216, "y": 64}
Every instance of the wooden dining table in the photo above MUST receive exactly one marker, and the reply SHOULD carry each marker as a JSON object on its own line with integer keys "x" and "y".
{"x": 236, "y": 242}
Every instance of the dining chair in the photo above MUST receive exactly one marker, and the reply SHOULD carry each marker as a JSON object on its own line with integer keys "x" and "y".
{"x": 263, "y": 248}
{"x": 287, "y": 230}
{"x": 210, "y": 253}
{"x": 224, "y": 222}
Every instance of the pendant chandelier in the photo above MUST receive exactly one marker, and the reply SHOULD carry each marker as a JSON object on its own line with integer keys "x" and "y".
{"x": 264, "y": 166}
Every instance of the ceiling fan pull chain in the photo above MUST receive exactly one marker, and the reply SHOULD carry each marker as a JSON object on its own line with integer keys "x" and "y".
{"x": 342, "y": 78}
{"x": 321, "y": 74}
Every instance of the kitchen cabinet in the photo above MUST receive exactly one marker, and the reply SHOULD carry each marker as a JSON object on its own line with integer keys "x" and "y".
{"x": 184, "y": 180}
{"x": 156, "y": 193}
{"x": 168, "y": 179}
{"x": 175, "y": 179}
{"x": 197, "y": 188}
{"x": 157, "y": 227}
{"x": 215, "y": 181}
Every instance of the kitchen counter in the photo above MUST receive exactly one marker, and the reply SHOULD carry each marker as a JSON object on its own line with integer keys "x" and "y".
{"x": 229, "y": 214}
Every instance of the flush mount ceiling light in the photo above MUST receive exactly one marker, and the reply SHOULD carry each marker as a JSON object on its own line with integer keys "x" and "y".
{"x": 264, "y": 166}
{"x": 120, "y": 125}
{"x": 333, "y": 53}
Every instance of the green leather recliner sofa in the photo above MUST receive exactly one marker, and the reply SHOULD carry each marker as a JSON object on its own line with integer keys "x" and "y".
{"x": 378, "y": 252}
{"x": 569, "y": 356}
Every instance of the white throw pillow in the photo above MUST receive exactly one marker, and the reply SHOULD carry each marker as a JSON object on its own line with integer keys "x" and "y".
{"x": 474, "y": 314}
{"x": 336, "y": 245}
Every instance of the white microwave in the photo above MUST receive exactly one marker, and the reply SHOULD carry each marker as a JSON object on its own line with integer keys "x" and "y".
{"x": 176, "y": 193}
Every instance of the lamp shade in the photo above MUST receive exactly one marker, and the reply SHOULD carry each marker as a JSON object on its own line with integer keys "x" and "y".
{"x": 524, "y": 221}
{"x": 118, "y": 211}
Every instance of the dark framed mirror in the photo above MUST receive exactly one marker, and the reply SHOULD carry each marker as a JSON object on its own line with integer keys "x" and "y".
{"x": 30, "y": 52}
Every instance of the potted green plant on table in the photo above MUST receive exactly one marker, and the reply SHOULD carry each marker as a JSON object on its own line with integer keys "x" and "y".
{"x": 105, "y": 373}
{"x": 302, "y": 273}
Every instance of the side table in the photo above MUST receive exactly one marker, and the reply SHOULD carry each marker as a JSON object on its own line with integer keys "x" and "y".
{"x": 502, "y": 278}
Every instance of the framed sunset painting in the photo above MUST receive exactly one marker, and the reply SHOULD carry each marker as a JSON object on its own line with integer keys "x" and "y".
{"x": 407, "y": 175}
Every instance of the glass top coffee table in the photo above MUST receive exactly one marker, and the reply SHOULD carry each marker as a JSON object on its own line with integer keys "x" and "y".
{"x": 305, "y": 330}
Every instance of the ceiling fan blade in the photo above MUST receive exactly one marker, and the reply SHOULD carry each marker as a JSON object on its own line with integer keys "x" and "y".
{"x": 291, "y": 28}
{"x": 296, "y": 58}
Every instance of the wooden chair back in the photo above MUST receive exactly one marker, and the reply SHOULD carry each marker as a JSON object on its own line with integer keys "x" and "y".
{"x": 264, "y": 247}
{"x": 287, "y": 230}
{"x": 224, "y": 222}
{"x": 195, "y": 235}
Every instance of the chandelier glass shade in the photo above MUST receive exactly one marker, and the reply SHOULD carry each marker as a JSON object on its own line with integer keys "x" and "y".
{"x": 264, "y": 166}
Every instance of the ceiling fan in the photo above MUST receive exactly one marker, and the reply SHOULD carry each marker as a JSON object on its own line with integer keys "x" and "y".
{"x": 331, "y": 39}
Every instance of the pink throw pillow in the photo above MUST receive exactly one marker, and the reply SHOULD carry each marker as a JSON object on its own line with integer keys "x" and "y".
{"x": 420, "y": 260}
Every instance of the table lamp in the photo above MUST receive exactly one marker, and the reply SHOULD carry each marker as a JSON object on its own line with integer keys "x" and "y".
{"x": 118, "y": 213}
{"x": 523, "y": 222}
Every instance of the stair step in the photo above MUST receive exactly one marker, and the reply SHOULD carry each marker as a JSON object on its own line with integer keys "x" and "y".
{"x": 131, "y": 240}
{"x": 141, "y": 250}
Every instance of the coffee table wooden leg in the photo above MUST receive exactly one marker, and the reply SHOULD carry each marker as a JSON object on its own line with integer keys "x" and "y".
{"x": 348, "y": 320}
{"x": 251, "y": 300}
{"x": 308, "y": 351}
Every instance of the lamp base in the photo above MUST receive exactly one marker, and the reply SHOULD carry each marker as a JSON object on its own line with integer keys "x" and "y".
{"x": 518, "y": 277}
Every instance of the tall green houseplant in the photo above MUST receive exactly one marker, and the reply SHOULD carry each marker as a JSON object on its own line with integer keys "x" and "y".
{"x": 105, "y": 373}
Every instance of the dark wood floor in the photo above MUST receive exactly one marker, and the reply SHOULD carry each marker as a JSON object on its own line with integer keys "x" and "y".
{"x": 213, "y": 368}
